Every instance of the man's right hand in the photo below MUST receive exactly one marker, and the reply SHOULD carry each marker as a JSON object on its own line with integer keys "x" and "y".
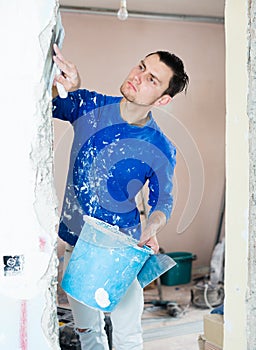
{"x": 70, "y": 78}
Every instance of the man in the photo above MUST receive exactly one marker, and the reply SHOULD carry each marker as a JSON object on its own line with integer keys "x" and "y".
{"x": 117, "y": 148}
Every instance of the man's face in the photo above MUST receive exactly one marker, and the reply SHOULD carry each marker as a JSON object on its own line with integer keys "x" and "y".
{"x": 147, "y": 81}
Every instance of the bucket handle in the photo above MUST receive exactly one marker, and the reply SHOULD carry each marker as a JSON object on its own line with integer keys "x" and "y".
{"x": 194, "y": 257}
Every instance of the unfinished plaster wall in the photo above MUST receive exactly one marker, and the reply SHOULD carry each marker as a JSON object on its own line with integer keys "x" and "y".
{"x": 28, "y": 204}
{"x": 237, "y": 174}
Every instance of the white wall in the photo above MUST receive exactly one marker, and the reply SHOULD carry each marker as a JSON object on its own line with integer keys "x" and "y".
{"x": 237, "y": 169}
{"x": 28, "y": 205}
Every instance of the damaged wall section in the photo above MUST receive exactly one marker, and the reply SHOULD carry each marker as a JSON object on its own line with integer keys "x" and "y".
{"x": 28, "y": 260}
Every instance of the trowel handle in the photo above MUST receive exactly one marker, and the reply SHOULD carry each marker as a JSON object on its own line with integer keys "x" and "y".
{"x": 61, "y": 90}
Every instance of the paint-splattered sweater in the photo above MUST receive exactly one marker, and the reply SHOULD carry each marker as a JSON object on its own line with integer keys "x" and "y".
{"x": 110, "y": 161}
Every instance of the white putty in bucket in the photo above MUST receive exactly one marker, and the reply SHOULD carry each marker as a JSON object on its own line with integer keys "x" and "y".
{"x": 114, "y": 237}
{"x": 102, "y": 297}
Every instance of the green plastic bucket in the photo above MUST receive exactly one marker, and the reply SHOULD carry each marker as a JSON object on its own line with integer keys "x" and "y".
{"x": 180, "y": 273}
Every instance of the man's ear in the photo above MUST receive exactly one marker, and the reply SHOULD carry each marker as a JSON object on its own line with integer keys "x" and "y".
{"x": 163, "y": 100}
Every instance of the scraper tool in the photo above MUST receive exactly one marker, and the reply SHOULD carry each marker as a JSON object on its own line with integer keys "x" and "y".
{"x": 154, "y": 267}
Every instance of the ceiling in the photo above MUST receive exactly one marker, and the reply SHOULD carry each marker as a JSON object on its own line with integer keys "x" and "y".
{"x": 205, "y": 8}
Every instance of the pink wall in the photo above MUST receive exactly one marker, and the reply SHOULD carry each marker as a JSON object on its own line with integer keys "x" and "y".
{"x": 105, "y": 49}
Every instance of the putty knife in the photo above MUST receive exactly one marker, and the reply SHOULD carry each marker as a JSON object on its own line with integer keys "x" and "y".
{"x": 154, "y": 267}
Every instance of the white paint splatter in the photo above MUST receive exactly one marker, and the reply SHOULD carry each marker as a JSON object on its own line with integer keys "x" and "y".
{"x": 85, "y": 188}
{"x": 102, "y": 297}
{"x": 67, "y": 216}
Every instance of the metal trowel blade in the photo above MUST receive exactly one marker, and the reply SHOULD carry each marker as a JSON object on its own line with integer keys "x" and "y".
{"x": 154, "y": 267}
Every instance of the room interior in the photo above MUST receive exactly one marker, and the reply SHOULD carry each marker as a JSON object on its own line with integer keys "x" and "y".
{"x": 29, "y": 203}
{"x": 104, "y": 48}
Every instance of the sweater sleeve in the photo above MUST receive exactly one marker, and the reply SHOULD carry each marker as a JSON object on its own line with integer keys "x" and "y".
{"x": 76, "y": 104}
{"x": 161, "y": 184}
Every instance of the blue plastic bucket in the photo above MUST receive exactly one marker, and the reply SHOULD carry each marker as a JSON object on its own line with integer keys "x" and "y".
{"x": 103, "y": 265}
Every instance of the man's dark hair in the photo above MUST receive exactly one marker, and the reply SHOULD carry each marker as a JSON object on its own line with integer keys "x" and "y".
{"x": 180, "y": 80}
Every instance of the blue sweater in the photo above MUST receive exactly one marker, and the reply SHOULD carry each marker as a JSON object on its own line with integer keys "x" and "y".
{"x": 110, "y": 161}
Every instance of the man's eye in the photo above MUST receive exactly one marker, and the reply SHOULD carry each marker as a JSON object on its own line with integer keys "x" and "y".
{"x": 141, "y": 67}
{"x": 152, "y": 80}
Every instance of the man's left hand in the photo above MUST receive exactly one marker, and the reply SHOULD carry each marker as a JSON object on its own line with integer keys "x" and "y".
{"x": 155, "y": 223}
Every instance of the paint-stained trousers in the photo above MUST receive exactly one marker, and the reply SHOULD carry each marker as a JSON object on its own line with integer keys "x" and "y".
{"x": 126, "y": 320}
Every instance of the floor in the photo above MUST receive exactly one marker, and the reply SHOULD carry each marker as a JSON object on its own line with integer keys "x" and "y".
{"x": 165, "y": 332}
{"x": 162, "y": 331}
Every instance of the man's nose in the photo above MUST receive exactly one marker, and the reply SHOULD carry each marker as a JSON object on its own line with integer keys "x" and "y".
{"x": 138, "y": 77}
